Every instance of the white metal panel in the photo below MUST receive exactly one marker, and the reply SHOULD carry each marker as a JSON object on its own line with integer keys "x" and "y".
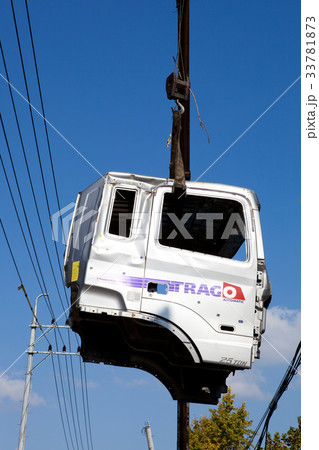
{"x": 260, "y": 245}
{"x": 196, "y": 282}
{"x": 115, "y": 261}
{"x": 197, "y": 302}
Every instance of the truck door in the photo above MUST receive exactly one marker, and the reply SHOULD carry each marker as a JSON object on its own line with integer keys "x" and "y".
{"x": 117, "y": 257}
{"x": 201, "y": 266}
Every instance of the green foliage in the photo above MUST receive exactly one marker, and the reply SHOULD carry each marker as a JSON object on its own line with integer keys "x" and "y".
{"x": 227, "y": 428}
{"x": 290, "y": 440}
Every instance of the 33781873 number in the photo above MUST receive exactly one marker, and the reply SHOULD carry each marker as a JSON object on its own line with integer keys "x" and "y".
{"x": 310, "y": 47}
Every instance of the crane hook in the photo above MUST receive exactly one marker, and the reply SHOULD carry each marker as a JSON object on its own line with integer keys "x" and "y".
{"x": 182, "y": 109}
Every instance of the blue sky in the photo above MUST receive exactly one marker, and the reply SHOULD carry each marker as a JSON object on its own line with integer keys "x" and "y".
{"x": 103, "y": 67}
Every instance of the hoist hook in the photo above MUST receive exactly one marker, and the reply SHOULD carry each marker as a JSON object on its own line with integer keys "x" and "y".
{"x": 182, "y": 109}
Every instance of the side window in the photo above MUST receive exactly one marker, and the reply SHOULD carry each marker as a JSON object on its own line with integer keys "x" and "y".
{"x": 214, "y": 226}
{"x": 122, "y": 211}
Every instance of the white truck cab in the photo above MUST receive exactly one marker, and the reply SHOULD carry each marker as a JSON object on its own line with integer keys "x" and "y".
{"x": 172, "y": 284}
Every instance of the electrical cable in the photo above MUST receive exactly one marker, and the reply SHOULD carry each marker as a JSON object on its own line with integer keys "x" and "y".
{"x": 36, "y": 141}
{"x": 63, "y": 393}
{"x": 29, "y": 176}
{"x": 44, "y": 119}
{"x": 19, "y": 275}
{"x": 48, "y": 302}
{"x": 55, "y": 187}
{"x": 283, "y": 386}
{"x": 54, "y": 370}
{"x": 59, "y": 403}
{"x": 289, "y": 375}
{"x": 84, "y": 408}
{"x": 87, "y": 405}
{"x": 39, "y": 159}
{"x": 52, "y": 166}
{"x": 20, "y": 278}
{"x": 47, "y": 299}
{"x": 51, "y": 160}
{"x": 75, "y": 396}
{"x": 12, "y": 256}
{"x": 71, "y": 404}
{"x": 33, "y": 127}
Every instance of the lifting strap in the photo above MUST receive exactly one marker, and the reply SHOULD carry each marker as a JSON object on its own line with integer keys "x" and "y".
{"x": 176, "y": 166}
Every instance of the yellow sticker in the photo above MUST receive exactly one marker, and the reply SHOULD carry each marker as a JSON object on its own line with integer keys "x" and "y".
{"x": 75, "y": 271}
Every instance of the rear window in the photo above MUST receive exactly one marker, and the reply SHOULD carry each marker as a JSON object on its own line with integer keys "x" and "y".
{"x": 121, "y": 216}
{"x": 214, "y": 226}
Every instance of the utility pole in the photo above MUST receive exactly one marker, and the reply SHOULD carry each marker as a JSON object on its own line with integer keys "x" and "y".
{"x": 149, "y": 438}
{"x": 27, "y": 385}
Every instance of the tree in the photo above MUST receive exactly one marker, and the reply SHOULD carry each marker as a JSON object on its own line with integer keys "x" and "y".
{"x": 227, "y": 428}
{"x": 290, "y": 440}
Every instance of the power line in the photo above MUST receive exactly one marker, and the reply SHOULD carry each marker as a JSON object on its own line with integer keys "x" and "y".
{"x": 53, "y": 175}
{"x": 84, "y": 408}
{"x": 34, "y": 196}
{"x": 283, "y": 386}
{"x": 71, "y": 404}
{"x": 30, "y": 177}
{"x": 87, "y": 405}
{"x": 16, "y": 266}
{"x": 44, "y": 118}
{"x": 48, "y": 302}
{"x": 59, "y": 403}
{"x": 75, "y": 396}
{"x": 63, "y": 394}
{"x": 33, "y": 127}
{"x": 12, "y": 256}
{"x": 54, "y": 181}
{"x": 47, "y": 298}
{"x": 19, "y": 275}
{"x": 49, "y": 305}
{"x": 52, "y": 170}
{"x": 43, "y": 180}
{"x": 20, "y": 278}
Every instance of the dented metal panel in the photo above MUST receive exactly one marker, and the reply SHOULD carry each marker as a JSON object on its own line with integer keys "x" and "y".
{"x": 82, "y": 230}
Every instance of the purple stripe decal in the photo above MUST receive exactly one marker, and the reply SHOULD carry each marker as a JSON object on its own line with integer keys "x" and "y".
{"x": 138, "y": 282}
{"x": 228, "y": 293}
